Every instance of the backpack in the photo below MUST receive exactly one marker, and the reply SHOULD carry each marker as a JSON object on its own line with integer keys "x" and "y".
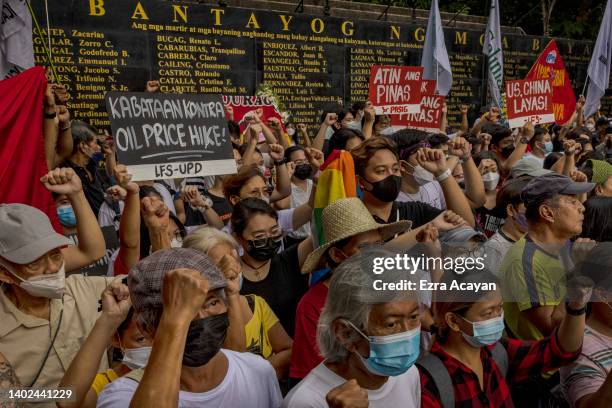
{"x": 441, "y": 378}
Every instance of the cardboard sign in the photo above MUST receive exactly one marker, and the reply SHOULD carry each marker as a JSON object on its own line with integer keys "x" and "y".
{"x": 429, "y": 117}
{"x": 166, "y": 136}
{"x": 529, "y": 100}
{"x": 100, "y": 267}
{"x": 395, "y": 89}
{"x": 245, "y": 105}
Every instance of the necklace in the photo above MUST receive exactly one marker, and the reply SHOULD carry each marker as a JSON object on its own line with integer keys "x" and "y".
{"x": 256, "y": 270}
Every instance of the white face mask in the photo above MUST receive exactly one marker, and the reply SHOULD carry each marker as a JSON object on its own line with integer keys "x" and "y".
{"x": 291, "y": 131}
{"x": 387, "y": 131}
{"x": 421, "y": 176}
{"x": 329, "y": 132}
{"x": 50, "y": 286}
{"x": 137, "y": 357}
{"x": 354, "y": 125}
{"x": 490, "y": 181}
{"x": 176, "y": 243}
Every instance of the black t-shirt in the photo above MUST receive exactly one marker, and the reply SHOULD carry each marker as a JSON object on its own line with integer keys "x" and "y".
{"x": 417, "y": 212}
{"x": 221, "y": 206}
{"x": 93, "y": 189}
{"x": 282, "y": 288}
{"x": 489, "y": 221}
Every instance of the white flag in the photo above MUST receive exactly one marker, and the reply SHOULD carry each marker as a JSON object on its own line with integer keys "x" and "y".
{"x": 16, "y": 51}
{"x": 435, "y": 58}
{"x": 599, "y": 67}
{"x": 492, "y": 49}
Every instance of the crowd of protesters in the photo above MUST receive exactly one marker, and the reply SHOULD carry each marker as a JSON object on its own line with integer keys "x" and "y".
{"x": 220, "y": 295}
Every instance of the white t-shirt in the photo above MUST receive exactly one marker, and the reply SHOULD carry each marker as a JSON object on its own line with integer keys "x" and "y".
{"x": 250, "y": 381}
{"x": 401, "y": 391}
{"x": 285, "y": 222}
{"x": 430, "y": 193}
{"x": 299, "y": 197}
{"x": 106, "y": 215}
{"x": 496, "y": 248}
{"x": 530, "y": 156}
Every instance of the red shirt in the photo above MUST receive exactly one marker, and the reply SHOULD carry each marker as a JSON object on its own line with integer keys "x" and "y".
{"x": 305, "y": 353}
{"x": 525, "y": 358}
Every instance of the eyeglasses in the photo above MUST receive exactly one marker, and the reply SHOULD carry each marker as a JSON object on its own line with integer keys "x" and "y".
{"x": 264, "y": 242}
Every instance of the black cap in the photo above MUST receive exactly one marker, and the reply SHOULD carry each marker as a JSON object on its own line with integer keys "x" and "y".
{"x": 548, "y": 185}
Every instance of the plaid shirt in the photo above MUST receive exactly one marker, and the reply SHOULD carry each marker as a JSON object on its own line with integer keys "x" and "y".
{"x": 525, "y": 359}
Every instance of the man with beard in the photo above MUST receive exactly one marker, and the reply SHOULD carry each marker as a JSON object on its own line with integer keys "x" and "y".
{"x": 178, "y": 297}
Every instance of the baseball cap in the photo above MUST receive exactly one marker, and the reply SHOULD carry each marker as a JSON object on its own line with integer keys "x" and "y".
{"x": 461, "y": 234}
{"x": 546, "y": 186}
{"x": 26, "y": 234}
{"x": 528, "y": 167}
{"x": 145, "y": 279}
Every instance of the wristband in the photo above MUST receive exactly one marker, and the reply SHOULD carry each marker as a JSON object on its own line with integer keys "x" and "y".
{"x": 446, "y": 174}
{"x": 50, "y": 115}
{"x": 464, "y": 158}
{"x": 575, "y": 312}
{"x": 524, "y": 140}
{"x": 279, "y": 163}
{"x": 66, "y": 128}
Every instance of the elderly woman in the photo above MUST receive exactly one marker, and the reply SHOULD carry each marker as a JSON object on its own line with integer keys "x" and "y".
{"x": 369, "y": 339}
{"x": 264, "y": 334}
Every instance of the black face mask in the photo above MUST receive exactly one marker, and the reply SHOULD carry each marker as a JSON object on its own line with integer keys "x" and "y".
{"x": 387, "y": 189}
{"x": 204, "y": 339}
{"x": 263, "y": 251}
{"x": 507, "y": 151}
{"x": 303, "y": 171}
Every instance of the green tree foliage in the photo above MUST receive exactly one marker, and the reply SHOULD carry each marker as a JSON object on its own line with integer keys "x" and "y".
{"x": 574, "y": 19}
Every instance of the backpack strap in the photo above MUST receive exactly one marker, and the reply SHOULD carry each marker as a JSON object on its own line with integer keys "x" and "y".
{"x": 500, "y": 355}
{"x": 440, "y": 376}
{"x": 135, "y": 375}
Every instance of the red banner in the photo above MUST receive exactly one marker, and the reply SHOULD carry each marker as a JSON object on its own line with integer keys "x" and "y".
{"x": 395, "y": 89}
{"x": 550, "y": 65}
{"x": 529, "y": 101}
{"x": 22, "y": 155}
{"x": 244, "y": 105}
{"x": 429, "y": 117}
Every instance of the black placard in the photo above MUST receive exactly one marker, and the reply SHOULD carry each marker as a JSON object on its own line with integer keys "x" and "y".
{"x": 161, "y": 136}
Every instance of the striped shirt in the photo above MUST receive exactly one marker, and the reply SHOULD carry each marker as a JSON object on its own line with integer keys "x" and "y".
{"x": 587, "y": 374}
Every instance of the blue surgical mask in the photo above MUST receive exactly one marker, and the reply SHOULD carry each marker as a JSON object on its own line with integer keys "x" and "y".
{"x": 391, "y": 355}
{"x": 66, "y": 216}
{"x": 97, "y": 156}
{"x": 240, "y": 279}
{"x": 548, "y": 147}
{"x": 486, "y": 332}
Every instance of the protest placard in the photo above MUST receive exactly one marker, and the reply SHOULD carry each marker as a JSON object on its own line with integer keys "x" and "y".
{"x": 429, "y": 117}
{"x": 529, "y": 101}
{"x": 395, "y": 89}
{"x": 165, "y": 136}
{"x": 243, "y": 106}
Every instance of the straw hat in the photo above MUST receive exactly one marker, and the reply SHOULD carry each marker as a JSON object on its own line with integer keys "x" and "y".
{"x": 346, "y": 218}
